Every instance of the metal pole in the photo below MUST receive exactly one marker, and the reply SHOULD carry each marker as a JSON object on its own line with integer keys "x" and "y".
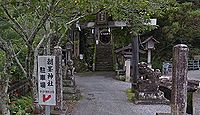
{"x": 47, "y": 107}
{"x": 135, "y": 61}
{"x": 47, "y": 110}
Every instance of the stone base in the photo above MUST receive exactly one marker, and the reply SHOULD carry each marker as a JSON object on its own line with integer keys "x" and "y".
{"x": 163, "y": 114}
{"x": 196, "y": 102}
{"x": 68, "y": 83}
{"x": 151, "y": 98}
{"x": 54, "y": 112}
{"x": 75, "y": 96}
{"x": 71, "y": 93}
{"x": 69, "y": 90}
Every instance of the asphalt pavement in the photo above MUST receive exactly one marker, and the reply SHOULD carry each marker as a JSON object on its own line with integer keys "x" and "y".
{"x": 103, "y": 95}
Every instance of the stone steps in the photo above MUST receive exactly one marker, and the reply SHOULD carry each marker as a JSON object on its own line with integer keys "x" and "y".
{"x": 104, "y": 59}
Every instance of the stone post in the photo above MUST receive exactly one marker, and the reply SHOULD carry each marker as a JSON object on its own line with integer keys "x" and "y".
{"x": 128, "y": 71}
{"x": 149, "y": 58}
{"x": 196, "y": 102}
{"x": 59, "y": 88}
{"x": 179, "y": 80}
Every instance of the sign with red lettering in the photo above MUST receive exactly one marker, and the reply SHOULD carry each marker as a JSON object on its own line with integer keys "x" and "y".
{"x": 46, "y": 80}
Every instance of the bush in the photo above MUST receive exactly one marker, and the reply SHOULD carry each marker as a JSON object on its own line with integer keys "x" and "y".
{"x": 21, "y": 106}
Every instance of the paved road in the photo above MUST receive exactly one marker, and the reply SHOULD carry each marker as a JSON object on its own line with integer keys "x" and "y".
{"x": 102, "y": 95}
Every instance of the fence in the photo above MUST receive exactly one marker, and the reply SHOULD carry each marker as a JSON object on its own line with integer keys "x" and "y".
{"x": 167, "y": 66}
{"x": 194, "y": 65}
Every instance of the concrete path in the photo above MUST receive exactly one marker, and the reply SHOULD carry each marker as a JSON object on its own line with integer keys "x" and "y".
{"x": 194, "y": 75}
{"x": 103, "y": 95}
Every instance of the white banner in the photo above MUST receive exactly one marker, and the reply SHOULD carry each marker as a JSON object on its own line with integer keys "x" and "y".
{"x": 46, "y": 80}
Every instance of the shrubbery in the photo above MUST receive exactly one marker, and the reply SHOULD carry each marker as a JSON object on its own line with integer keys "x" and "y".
{"x": 21, "y": 106}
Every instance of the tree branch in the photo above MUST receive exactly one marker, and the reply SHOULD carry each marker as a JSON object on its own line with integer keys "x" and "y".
{"x": 3, "y": 45}
{"x": 21, "y": 31}
{"x": 17, "y": 60}
{"x": 34, "y": 78}
{"x": 42, "y": 21}
{"x": 15, "y": 22}
{"x": 38, "y": 27}
{"x": 9, "y": 50}
{"x": 74, "y": 20}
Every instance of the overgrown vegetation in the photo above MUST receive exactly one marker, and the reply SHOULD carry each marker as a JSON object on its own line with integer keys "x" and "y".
{"x": 130, "y": 94}
{"x": 21, "y": 106}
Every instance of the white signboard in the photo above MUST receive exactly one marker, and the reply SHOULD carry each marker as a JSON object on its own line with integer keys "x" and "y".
{"x": 46, "y": 80}
{"x": 151, "y": 22}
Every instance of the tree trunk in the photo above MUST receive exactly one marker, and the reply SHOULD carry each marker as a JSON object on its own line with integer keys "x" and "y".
{"x": 34, "y": 78}
{"x": 29, "y": 67}
{"x": 4, "y": 96}
{"x": 4, "y": 83}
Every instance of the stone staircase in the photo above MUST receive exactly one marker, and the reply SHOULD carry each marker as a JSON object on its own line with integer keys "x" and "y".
{"x": 104, "y": 58}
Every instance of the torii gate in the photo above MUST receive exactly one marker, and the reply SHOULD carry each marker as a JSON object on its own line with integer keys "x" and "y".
{"x": 102, "y": 27}
{"x": 102, "y": 22}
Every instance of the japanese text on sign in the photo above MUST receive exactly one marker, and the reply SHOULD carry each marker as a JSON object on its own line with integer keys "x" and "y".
{"x": 46, "y": 80}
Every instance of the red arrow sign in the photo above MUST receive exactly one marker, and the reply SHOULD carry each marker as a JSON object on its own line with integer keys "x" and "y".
{"x": 46, "y": 98}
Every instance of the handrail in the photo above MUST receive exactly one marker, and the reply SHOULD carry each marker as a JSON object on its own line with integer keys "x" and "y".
{"x": 167, "y": 66}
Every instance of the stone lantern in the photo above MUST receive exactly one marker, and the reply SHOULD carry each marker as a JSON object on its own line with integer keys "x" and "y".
{"x": 150, "y": 45}
{"x": 68, "y": 50}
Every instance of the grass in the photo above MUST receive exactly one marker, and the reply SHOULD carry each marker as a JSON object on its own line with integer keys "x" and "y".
{"x": 130, "y": 94}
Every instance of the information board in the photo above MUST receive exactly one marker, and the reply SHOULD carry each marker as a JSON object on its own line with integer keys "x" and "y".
{"x": 46, "y": 80}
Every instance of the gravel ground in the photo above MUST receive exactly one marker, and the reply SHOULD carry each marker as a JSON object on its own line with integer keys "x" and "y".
{"x": 103, "y": 95}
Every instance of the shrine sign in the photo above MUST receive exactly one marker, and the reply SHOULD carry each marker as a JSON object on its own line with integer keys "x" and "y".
{"x": 46, "y": 80}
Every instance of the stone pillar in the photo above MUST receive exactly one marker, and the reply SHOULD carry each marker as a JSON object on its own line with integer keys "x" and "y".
{"x": 128, "y": 72}
{"x": 68, "y": 51}
{"x": 59, "y": 88}
{"x": 70, "y": 91}
{"x": 149, "y": 58}
{"x": 196, "y": 102}
{"x": 179, "y": 80}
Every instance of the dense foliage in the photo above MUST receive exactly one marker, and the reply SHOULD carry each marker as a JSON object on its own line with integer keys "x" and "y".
{"x": 178, "y": 23}
{"x": 21, "y": 106}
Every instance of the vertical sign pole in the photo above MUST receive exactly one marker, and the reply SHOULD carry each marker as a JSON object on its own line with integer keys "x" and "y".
{"x": 47, "y": 110}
